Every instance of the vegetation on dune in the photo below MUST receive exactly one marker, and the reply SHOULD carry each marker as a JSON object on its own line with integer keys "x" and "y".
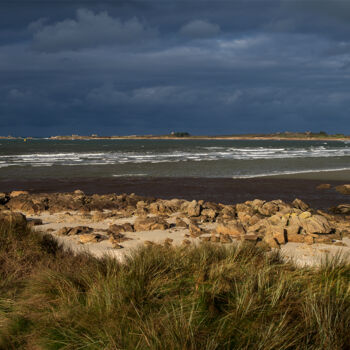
{"x": 206, "y": 297}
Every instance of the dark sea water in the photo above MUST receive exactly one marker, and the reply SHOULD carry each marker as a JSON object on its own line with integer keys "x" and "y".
{"x": 164, "y": 158}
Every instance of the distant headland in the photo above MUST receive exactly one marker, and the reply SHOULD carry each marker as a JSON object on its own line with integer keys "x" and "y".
{"x": 286, "y": 135}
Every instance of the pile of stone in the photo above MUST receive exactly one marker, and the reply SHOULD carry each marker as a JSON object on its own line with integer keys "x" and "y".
{"x": 269, "y": 223}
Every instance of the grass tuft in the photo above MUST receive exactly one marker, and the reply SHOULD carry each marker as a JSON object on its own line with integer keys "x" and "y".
{"x": 207, "y": 297}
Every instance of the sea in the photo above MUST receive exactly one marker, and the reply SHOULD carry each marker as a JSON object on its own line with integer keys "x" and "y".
{"x": 47, "y": 158}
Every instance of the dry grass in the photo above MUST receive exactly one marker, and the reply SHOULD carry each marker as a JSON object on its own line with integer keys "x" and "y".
{"x": 207, "y": 297}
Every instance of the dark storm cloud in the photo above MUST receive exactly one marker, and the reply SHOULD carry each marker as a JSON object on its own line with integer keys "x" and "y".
{"x": 207, "y": 67}
{"x": 200, "y": 29}
{"x": 88, "y": 29}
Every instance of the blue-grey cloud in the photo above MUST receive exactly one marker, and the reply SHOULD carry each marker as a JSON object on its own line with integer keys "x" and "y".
{"x": 88, "y": 30}
{"x": 199, "y": 29}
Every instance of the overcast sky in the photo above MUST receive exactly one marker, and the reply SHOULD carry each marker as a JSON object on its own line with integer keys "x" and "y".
{"x": 152, "y": 67}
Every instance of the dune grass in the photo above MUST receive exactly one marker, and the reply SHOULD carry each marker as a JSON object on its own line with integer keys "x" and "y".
{"x": 206, "y": 297}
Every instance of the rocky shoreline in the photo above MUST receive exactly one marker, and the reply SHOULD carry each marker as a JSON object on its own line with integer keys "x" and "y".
{"x": 117, "y": 223}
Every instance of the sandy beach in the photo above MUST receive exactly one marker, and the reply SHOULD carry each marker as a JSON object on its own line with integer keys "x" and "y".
{"x": 115, "y": 224}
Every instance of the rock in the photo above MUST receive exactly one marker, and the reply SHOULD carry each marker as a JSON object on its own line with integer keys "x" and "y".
{"x": 295, "y": 237}
{"x": 323, "y": 187}
{"x": 315, "y": 224}
{"x": 186, "y": 242}
{"x": 78, "y": 230}
{"x": 18, "y": 193}
{"x": 63, "y": 231}
{"x": 326, "y": 215}
{"x": 209, "y": 213}
{"x": 3, "y": 198}
{"x": 228, "y": 212}
{"x": 205, "y": 237}
{"x": 305, "y": 215}
{"x": 168, "y": 242}
{"x": 269, "y": 208}
{"x": 244, "y": 217}
{"x": 118, "y": 238}
{"x": 90, "y": 238}
{"x": 251, "y": 237}
{"x": 323, "y": 239}
{"x": 225, "y": 239}
{"x": 343, "y": 189}
{"x": 194, "y": 209}
{"x": 340, "y": 244}
{"x": 254, "y": 219}
{"x": 14, "y": 219}
{"x": 278, "y": 219}
{"x": 126, "y": 227}
{"x": 180, "y": 223}
{"x": 232, "y": 228}
{"x": 278, "y": 233}
{"x": 244, "y": 208}
{"x": 117, "y": 246}
{"x": 341, "y": 209}
{"x": 195, "y": 231}
{"x": 256, "y": 204}
{"x": 142, "y": 208}
{"x": 150, "y": 223}
{"x": 299, "y": 204}
{"x": 34, "y": 222}
{"x": 79, "y": 192}
{"x": 271, "y": 242}
{"x": 25, "y": 205}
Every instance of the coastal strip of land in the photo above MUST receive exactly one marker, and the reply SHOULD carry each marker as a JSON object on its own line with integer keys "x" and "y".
{"x": 279, "y": 136}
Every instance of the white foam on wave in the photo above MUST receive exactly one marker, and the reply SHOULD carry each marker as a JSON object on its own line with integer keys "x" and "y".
{"x": 287, "y": 172}
{"x": 127, "y": 175}
{"x": 196, "y": 154}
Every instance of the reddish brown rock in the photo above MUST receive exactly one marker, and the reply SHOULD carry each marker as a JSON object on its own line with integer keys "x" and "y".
{"x": 150, "y": 223}
{"x": 299, "y": 204}
{"x": 343, "y": 189}
{"x": 232, "y": 228}
{"x": 194, "y": 209}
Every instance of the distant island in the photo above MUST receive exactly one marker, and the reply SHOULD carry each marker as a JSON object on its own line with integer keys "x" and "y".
{"x": 286, "y": 135}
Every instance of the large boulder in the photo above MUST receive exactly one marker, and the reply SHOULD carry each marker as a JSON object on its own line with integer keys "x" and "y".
{"x": 126, "y": 227}
{"x": 3, "y": 198}
{"x": 26, "y": 205}
{"x": 150, "y": 223}
{"x": 343, "y": 189}
{"x": 268, "y": 208}
{"x": 299, "y": 204}
{"x": 15, "y": 220}
{"x": 194, "y": 209}
{"x": 341, "y": 209}
{"x": 18, "y": 193}
{"x": 232, "y": 228}
{"x": 316, "y": 224}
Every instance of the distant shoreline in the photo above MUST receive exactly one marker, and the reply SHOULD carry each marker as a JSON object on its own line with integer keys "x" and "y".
{"x": 247, "y": 138}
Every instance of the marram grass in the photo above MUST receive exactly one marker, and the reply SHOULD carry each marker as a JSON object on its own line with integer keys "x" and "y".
{"x": 207, "y": 297}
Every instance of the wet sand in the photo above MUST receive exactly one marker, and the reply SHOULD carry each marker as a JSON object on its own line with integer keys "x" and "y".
{"x": 222, "y": 190}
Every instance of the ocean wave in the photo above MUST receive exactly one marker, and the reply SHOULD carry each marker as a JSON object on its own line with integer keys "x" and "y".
{"x": 287, "y": 172}
{"x": 196, "y": 154}
{"x": 128, "y": 175}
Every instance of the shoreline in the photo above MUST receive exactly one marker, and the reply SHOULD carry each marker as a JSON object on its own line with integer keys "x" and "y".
{"x": 223, "y": 190}
{"x": 244, "y": 138}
